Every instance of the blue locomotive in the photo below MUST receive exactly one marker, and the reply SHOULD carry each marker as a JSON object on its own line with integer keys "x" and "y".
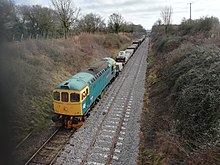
{"x": 74, "y": 97}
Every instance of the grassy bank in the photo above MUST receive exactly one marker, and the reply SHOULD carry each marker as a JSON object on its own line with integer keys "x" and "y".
{"x": 35, "y": 67}
{"x": 180, "y": 121}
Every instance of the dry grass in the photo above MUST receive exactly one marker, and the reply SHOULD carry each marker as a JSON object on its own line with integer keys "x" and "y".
{"x": 36, "y": 66}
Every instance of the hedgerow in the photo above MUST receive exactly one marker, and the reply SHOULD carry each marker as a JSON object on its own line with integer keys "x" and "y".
{"x": 193, "y": 27}
{"x": 194, "y": 84}
{"x": 183, "y": 107}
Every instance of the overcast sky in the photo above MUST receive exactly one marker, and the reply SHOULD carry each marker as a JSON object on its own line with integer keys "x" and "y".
{"x": 144, "y": 12}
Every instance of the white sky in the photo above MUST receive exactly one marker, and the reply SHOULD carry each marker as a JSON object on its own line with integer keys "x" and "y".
{"x": 144, "y": 12}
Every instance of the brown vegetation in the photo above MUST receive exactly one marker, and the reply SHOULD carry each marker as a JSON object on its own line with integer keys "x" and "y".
{"x": 36, "y": 66}
{"x": 180, "y": 121}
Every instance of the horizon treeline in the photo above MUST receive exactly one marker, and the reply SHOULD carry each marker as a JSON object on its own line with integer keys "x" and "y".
{"x": 19, "y": 22}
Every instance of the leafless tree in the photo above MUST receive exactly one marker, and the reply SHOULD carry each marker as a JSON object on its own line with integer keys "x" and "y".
{"x": 166, "y": 15}
{"x": 36, "y": 21}
{"x": 115, "y": 22}
{"x": 158, "y": 22}
{"x": 91, "y": 23}
{"x": 67, "y": 13}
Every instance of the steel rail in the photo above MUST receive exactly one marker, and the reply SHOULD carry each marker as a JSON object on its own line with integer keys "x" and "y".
{"x": 51, "y": 148}
{"x": 84, "y": 160}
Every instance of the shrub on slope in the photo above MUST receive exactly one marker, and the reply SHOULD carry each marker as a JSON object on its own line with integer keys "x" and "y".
{"x": 194, "y": 83}
{"x": 181, "y": 122}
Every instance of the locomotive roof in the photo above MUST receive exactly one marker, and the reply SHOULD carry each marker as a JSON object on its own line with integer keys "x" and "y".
{"x": 77, "y": 82}
{"x": 80, "y": 80}
{"x": 110, "y": 60}
{"x": 97, "y": 67}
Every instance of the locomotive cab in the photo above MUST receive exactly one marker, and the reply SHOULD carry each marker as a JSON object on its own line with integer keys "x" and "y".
{"x": 70, "y": 105}
{"x": 74, "y": 97}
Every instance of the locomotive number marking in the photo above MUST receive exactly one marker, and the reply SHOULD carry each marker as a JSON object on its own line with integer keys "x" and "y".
{"x": 84, "y": 105}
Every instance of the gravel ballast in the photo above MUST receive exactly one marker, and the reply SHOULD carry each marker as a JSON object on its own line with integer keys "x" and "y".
{"x": 111, "y": 133}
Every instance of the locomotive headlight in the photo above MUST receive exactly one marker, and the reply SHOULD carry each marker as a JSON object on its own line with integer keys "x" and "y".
{"x": 65, "y": 108}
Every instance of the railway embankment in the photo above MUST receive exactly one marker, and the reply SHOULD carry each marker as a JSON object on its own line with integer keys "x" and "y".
{"x": 32, "y": 68}
{"x": 180, "y": 119}
{"x": 111, "y": 133}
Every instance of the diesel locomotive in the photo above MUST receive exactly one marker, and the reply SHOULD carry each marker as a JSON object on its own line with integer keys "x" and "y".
{"x": 74, "y": 97}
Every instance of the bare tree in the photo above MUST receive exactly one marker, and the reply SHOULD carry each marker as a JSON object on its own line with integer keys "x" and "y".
{"x": 158, "y": 22}
{"x": 115, "y": 22}
{"x": 166, "y": 15}
{"x": 36, "y": 21}
{"x": 67, "y": 13}
{"x": 91, "y": 23}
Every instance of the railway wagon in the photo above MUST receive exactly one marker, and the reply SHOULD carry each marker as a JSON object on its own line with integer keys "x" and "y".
{"x": 138, "y": 42}
{"x": 74, "y": 97}
{"x": 119, "y": 67}
{"x": 128, "y": 53}
{"x": 133, "y": 47}
{"x": 122, "y": 58}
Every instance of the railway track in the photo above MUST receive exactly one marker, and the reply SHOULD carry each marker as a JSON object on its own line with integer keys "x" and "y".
{"x": 48, "y": 152}
{"x": 112, "y": 125}
{"x": 104, "y": 144}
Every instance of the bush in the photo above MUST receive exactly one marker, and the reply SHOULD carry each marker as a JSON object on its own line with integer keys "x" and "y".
{"x": 197, "y": 108}
{"x": 167, "y": 44}
{"x": 193, "y": 27}
{"x": 194, "y": 83}
{"x": 184, "y": 102}
{"x": 201, "y": 57}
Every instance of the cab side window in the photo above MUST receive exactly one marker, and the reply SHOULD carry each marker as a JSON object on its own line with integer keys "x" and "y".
{"x": 84, "y": 95}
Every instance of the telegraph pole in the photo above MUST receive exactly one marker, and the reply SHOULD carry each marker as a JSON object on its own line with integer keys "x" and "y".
{"x": 190, "y": 11}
